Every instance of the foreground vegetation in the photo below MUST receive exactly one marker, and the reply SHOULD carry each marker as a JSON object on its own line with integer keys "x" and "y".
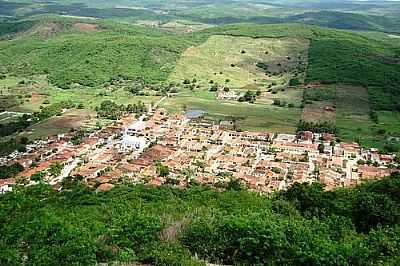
{"x": 167, "y": 226}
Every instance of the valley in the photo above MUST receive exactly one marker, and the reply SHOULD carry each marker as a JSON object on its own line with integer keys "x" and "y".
{"x": 212, "y": 132}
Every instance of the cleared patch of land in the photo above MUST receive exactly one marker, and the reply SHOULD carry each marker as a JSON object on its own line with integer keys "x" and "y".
{"x": 353, "y": 118}
{"x": 319, "y": 103}
{"x": 352, "y": 100}
{"x": 85, "y": 26}
{"x": 71, "y": 119}
{"x": 319, "y": 111}
{"x": 285, "y": 95}
{"x": 233, "y": 60}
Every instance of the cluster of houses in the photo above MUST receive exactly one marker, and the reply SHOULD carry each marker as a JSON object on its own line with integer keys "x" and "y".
{"x": 196, "y": 150}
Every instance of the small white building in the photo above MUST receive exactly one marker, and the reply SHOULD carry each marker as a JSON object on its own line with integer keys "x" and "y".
{"x": 6, "y": 185}
{"x": 134, "y": 137}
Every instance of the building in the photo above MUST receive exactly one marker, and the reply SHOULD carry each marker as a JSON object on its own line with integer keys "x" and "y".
{"x": 134, "y": 137}
{"x": 228, "y": 95}
{"x": 6, "y": 185}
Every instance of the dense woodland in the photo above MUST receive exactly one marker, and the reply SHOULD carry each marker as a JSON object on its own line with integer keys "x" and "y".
{"x": 168, "y": 226}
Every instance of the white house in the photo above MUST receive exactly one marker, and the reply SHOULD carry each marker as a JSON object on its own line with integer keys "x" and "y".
{"x": 6, "y": 185}
{"x": 134, "y": 137}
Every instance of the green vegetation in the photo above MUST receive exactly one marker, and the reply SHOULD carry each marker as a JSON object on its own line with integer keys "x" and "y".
{"x": 320, "y": 94}
{"x": 249, "y": 96}
{"x": 7, "y": 171}
{"x": 92, "y": 58}
{"x": 162, "y": 170}
{"x": 111, "y": 110}
{"x": 167, "y": 226}
{"x": 319, "y": 127}
{"x": 95, "y": 61}
{"x": 10, "y": 145}
{"x": 220, "y": 58}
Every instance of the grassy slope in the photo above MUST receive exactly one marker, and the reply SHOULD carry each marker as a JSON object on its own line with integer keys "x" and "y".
{"x": 207, "y": 61}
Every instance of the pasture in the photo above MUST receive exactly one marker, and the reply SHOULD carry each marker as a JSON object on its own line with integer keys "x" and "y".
{"x": 232, "y": 61}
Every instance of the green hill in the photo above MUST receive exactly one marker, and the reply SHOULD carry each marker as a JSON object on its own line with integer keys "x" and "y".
{"x": 91, "y": 53}
{"x": 167, "y": 226}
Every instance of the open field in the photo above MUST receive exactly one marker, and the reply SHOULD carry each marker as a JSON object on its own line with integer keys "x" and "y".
{"x": 259, "y": 116}
{"x": 352, "y": 100}
{"x": 353, "y": 120}
{"x": 352, "y": 114}
{"x": 71, "y": 119}
{"x": 287, "y": 95}
{"x": 319, "y": 103}
{"x": 318, "y": 112}
{"x": 42, "y": 93}
{"x": 223, "y": 58}
{"x": 384, "y": 135}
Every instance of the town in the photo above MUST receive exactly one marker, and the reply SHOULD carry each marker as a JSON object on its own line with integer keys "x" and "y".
{"x": 187, "y": 149}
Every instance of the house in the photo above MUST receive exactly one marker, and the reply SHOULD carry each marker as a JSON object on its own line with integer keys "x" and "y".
{"x": 228, "y": 95}
{"x": 6, "y": 185}
{"x": 307, "y": 137}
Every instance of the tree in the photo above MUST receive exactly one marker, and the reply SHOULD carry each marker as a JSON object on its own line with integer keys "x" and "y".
{"x": 38, "y": 176}
{"x": 294, "y": 82}
{"x": 277, "y": 102}
{"x": 7, "y": 171}
{"x": 162, "y": 170}
{"x": 235, "y": 184}
{"x": 55, "y": 169}
{"x": 371, "y": 209}
{"x": 321, "y": 148}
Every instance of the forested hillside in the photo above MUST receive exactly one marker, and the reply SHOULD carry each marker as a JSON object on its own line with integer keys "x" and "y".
{"x": 168, "y": 226}
{"x": 91, "y": 53}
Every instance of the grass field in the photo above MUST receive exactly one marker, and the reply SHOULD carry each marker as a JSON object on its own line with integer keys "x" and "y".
{"x": 355, "y": 124}
{"x": 259, "y": 116}
{"x": 384, "y": 135}
{"x": 317, "y": 112}
{"x": 41, "y": 91}
{"x": 223, "y": 58}
{"x": 287, "y": 95}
